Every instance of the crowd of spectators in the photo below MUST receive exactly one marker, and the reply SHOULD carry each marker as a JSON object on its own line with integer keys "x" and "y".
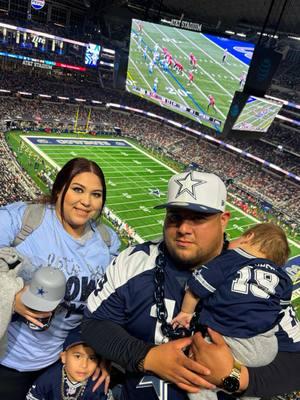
{"x": 44, "y": 114}
{"x": 281, "y": 193}
{"x": 14, "y": 182}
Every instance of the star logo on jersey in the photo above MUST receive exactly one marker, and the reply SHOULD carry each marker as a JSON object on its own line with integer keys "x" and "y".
{"x": 160, "y": 386}
{"x": 188, "y": 185}
{"x": 41, "y": 292}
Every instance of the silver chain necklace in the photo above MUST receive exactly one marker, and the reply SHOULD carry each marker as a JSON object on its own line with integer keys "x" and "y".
{"x": 64, "y": 383}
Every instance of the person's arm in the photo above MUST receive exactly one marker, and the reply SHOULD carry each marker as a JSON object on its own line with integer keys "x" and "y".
{"x": 189, "y": 302}
{"x": 188, "y": 306}
{"x": 112, "y": 342}
{"x": 279, "y": 377}
{"x": 103, "y": 328}
{"x": 168, "y": 360}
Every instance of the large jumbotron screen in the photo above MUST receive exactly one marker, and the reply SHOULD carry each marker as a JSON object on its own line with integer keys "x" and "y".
{"x": 191, "y": 73}
{"x": 257, "y": 115}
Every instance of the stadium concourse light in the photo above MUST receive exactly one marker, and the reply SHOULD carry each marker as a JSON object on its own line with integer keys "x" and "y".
{"x": 80, "y": 100}
{"x": 110, "y": 51}
{"x": 47, "y": 96}
{"x": 294, "y": 37}
{"x": 63, "y": 98}
{"x": 106, "y": 63}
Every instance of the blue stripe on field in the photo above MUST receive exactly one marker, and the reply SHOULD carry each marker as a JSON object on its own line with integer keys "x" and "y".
{"x": 241, "y": 50}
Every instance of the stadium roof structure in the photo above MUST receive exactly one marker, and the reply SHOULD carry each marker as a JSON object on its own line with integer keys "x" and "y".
{"x": 225, "y": 14}
{"x": 228, "y": 14}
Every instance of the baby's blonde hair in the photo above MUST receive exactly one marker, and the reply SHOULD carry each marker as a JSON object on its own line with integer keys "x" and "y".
{"x": 271, "y": 241}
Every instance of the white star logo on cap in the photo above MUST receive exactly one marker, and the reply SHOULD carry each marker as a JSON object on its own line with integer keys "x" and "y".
{"x": 188, "y": 185}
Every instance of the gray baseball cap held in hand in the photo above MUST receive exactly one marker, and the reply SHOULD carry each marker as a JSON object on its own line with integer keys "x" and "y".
{"x": 46, "y": 290}
{"x": 197, "y": 191}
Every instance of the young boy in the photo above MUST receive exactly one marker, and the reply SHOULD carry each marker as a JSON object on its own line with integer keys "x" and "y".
{"x": 70, "y": 378}
{"x": 242, "y": 292}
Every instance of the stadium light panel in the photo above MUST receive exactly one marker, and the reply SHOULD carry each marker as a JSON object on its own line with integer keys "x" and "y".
{"x": 294, "y": 37}
{"x": 109, "y": 51}
{"x": 80, "y": 100}
{"x": 47, "y": 96}
{"x": 106, "y": 63}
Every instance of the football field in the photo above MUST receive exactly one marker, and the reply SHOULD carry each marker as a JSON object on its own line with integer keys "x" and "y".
{"x": 136, "y": 182}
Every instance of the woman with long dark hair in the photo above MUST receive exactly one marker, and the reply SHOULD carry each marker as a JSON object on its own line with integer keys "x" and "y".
{"x": 68, "y": 238}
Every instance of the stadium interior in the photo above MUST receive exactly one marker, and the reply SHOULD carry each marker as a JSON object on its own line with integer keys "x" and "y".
{"x": 52, "y": 87}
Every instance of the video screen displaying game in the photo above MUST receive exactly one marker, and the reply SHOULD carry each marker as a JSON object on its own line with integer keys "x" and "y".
{"x": 191, "y": 73}
{"x": 257, "y": 115}
{"x": 92, "y": 54}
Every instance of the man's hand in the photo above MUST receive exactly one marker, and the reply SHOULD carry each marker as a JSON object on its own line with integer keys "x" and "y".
{"x": 169, "y": 362}
{"x": 215, "y": 355}
{"x": 102, "y": 374}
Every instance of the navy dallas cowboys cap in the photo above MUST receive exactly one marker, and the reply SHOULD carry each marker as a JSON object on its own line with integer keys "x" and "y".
{"x": 197, "y": 191}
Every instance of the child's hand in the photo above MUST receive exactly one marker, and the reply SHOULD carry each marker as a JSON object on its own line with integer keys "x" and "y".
{"x": 182, "y": 319}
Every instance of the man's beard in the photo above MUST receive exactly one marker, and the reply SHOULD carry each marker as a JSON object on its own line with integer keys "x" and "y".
{"x": 179, "y": 263}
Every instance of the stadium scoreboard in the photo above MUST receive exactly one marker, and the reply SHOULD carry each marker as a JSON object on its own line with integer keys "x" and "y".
{"x": 20, "y": 43}
{"x": 201, "y": 76}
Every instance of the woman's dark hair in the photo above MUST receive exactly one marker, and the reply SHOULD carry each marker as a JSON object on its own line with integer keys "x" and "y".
{"x": 65, "y": 176}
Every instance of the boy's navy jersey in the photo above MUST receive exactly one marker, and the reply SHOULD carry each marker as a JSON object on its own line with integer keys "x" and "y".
{"x": 48, "y": 386}
{"x": 125, "y": 295}
{"x": 241, "y": 295}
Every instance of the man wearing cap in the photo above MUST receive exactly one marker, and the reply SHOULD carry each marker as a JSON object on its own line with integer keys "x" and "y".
{"x": 128, "y": 316}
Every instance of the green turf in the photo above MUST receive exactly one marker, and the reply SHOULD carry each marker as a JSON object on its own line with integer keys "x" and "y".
{"x": 131, "y": 175}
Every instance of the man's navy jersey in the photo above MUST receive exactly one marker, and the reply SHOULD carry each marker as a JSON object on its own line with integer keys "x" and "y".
{"x": 241, "y": 295}
{"x": 289, "y": 327}
{"x": 288, "y": 335}
{"x": 125, "y": 295}
{"x": 48, "y": 387}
